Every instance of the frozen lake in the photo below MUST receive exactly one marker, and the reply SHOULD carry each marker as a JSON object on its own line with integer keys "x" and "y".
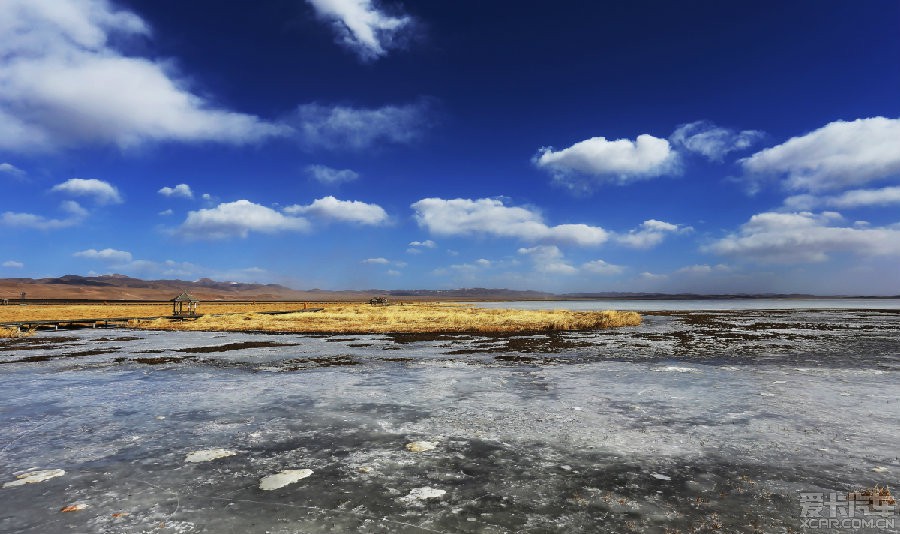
{"x": 692, "y": 422}
{"x": 698, "y": 305}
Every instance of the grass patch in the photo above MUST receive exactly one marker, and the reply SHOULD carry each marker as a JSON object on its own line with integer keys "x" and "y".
{"x": 11, "y": 332}
{"x": 409, "y": 319}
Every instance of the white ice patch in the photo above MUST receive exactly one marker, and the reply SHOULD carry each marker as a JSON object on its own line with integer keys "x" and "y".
{"x": 657, "y": 476}
{"x": 283, "y": 478}
{"x": 421, "y": 446}
{"x": 423, "y": 494}
{"x": 34, "y": 477}
{"x": 677, "y": 369}
{"x": 207, "y": 455}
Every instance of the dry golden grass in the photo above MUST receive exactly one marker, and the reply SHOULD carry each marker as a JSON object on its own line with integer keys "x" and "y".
{"x": 335, "y": 318}
{"x": 408, "y": 318}
{"x": 10, "y": 332}
{"x": 877, "y": 496}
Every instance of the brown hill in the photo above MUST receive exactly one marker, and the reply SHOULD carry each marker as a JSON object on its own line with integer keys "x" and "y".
{"x": 120, "y": 287}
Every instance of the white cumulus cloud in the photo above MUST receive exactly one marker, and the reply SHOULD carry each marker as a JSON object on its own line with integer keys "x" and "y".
{"x": 836, "y": 156}
{"x": 238, "y": 219}
{"x": 62, "y": 83}
{"x": 361, "y": 26}
{"x": 101, "y": 192}
{"x": 11, "y": 170}
{"x": 180, "y": 190}
{"x": 805, "y": 237}
{"x": 331, "y": 209}
{"x": 107, "y": 254}
{"x": 650, "y": 233}
{"x": 620, "y": 161}
{"x": 703, "y": 269}
{"x": 329, "y": 176}
{"x": 12, "y": 264}
{"x": 490, "y": 217}
{"x": 349, "y": 128}
{"x": 713, "y": 142}
{"x": 602, "y": 267}
{"x": 76, "y": 214}
{"x": 377, "y": 261}
{"x": 548, "y": 259}
{"x": 854, "y": 198}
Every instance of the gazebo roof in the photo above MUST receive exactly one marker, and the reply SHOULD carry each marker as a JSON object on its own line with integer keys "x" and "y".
{"x": 184, "y": 297}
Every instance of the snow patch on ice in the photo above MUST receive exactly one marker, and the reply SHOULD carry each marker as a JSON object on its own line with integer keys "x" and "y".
{"x": 657, "y": 476}
{"x": 283, "y": 478}
{"x": 677, "y": 369}
{"x": 34, "y": 477}
{"x": 423, "y": 494}
{"x": 207, "y": 455}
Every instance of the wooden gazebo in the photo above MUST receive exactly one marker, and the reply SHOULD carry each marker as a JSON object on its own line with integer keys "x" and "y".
{"x": 178, "y": 308}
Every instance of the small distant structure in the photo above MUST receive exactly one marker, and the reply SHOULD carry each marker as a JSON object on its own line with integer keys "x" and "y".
{"x": 378, "y": 301}
{"x": 178, "y": 305}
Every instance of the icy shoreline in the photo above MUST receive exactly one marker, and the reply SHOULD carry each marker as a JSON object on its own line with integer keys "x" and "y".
{"x": 594, "y": 433}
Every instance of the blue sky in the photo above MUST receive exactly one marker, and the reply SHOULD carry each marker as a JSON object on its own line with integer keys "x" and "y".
{"x": 348, "y": 144}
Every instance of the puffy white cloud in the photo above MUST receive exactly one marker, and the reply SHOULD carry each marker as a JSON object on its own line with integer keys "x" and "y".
{"x": 166, "y": 213}
{"x": 713, "y": 142}
{"x": 180, "y": 190}
{"x": 238, "y": 219}
{"x": 12, "y": 264}
{"x": 805, "y": 237}
{"x": 329, "y": 176}
{"x": 703, "y": 269}
{"x": 650, "y": 233}
{"x": 332, "y": 209}
{"x": 620, "y": 162}
{"x": 12, "y": 170}
{"x": 487, "y": 216}
{"x": 378, "y": 261}
{"x": 838, "y": 155}
{"x": 102, "y": 192}
{"x": 107, "y": 254}
{"x": 344, "y": 127}
{"x": 602, "y": 267}
{"x": 548, "y": 259}
{"x": 415, "y": 247}
{"x": 854, "y": 198}
{"x": 76, "y": 214}
{"x": 63, "y": 84}
{"x": 361, "y": 27}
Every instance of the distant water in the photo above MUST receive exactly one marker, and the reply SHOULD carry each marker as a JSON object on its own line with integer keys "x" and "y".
{"x": 700, "y": 304}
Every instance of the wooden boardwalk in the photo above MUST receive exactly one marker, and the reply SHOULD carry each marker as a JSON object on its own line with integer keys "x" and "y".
{"x": 107, "y": 322}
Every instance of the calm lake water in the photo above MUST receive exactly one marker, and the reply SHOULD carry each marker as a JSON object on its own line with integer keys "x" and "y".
{"x": 691, "y": 422}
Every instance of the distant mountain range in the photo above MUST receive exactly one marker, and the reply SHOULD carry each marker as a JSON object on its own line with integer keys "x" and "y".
{"x": 121, "y": 287}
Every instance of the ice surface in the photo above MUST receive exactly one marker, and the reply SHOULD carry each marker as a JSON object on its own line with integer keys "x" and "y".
{"x": 33, "y": 477}
{"x": 425, "y": 493}
{"x": 688, "y": 421}
{"x": 283, "y": 478}
{"x": 208, "y": 455}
